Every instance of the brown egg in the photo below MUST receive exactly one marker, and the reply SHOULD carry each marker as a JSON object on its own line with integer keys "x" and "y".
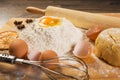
{"x": 93, "y": 32}
{"x": 49, "y": 57}
{"x": 18, "y": 48}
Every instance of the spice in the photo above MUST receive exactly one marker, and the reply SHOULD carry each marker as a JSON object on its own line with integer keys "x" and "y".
{"x": 17, "y": 22}
{"x": 20, "y": 27}
{"x": 29, "y": 21}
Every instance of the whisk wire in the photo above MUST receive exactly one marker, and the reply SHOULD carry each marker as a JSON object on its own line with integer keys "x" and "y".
{"x": 49, "y": 72}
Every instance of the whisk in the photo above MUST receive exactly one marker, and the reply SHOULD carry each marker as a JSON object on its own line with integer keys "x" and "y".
{"x": 69, "y": 68}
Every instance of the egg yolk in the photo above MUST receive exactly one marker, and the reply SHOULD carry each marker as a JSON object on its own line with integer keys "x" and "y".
{"x": 50, "y": 22}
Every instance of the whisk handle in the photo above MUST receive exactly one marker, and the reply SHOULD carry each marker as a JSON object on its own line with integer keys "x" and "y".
{"x": 7, "y": 58}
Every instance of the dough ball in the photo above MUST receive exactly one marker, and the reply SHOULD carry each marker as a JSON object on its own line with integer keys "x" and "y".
{"x": 107, "y": 46}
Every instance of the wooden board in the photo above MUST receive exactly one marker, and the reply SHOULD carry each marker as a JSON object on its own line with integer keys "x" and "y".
{"x": 93, "y": 75}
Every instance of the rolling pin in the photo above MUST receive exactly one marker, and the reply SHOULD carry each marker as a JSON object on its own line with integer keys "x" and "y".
{"x": 80, "y": 19}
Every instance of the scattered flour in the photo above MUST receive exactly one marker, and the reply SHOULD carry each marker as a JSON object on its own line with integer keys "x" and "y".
{"x": 100, "y": 69}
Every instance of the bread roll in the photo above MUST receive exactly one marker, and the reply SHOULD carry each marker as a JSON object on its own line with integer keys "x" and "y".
{"x": 107, "y": 46}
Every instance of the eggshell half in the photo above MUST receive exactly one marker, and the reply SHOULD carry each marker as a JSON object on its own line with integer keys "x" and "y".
{"x": 82, "y": 49}
{"x": 33, "y": 55}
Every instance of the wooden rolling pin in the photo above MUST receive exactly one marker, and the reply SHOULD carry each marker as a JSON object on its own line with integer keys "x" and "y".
{"x": 79, "y": 18}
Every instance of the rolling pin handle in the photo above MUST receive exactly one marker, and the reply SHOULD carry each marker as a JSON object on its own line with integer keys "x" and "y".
{"x": 35, "y": 10}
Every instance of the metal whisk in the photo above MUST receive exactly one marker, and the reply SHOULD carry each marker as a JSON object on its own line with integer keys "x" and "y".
{"x": 68, "y": 68}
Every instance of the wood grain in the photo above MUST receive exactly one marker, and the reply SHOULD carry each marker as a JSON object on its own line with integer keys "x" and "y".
{"x": 9, "y": 26}
{"x": 15, "y": 8}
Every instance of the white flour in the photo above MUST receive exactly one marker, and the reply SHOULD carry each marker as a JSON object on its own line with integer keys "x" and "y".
{"x": 60, "y": 38}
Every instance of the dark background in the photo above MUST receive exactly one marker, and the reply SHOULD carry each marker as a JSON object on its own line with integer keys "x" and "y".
{"x": 16, "y": 8}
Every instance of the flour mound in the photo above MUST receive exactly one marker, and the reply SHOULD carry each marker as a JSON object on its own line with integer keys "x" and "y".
{"x": 60, "y": 38}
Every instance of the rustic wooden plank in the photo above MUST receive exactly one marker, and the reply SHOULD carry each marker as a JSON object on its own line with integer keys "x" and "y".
{"x": 109, "y": 5}
{"x": 9, "y": 25}
{"x": 15, "y": 8}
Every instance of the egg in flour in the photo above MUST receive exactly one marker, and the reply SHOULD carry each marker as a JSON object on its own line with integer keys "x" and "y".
{"x": 51, "y": 33}
{"x": 49, "y": 22}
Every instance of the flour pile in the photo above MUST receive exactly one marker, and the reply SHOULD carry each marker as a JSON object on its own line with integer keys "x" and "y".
{"x": 60, "y": 38}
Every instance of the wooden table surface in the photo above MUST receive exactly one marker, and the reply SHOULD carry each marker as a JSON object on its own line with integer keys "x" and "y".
{"x": 16, "y": 8}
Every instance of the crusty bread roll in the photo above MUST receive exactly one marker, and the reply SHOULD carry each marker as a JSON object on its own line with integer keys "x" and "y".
{"x": 107, "y": 46}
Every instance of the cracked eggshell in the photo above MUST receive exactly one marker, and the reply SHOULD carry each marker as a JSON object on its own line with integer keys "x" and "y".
{"x": 33, "y": 55}
{"x": 82, "y": 49}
